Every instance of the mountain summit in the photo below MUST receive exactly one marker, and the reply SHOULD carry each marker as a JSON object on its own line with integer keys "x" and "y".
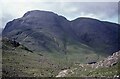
{"x": 47, "y": 31}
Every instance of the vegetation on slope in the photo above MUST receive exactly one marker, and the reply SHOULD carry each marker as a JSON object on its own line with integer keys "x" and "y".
{"x": 20, "y": 61}
{"x": 108, "y": 67}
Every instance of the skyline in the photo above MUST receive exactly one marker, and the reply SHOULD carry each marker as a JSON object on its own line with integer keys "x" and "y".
{"x": 105, "y": 11}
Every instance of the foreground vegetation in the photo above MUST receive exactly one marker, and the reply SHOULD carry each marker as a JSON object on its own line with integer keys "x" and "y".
{"x": 21, "y": 62}
{"x": 87, "y": 71}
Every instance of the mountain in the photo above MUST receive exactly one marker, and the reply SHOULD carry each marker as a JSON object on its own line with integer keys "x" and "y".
{"x": 43, "y": 30}
{"x": 100, "y": 35}
{"x": 42, "y": 43}
{"x": 37, "y": 33}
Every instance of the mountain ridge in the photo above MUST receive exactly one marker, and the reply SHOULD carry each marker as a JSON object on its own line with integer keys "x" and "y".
{"x": 101, "y": 36}
{"x": 42, "y": 44}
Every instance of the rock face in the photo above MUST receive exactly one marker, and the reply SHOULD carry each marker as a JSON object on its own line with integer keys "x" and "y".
{"x": 62, "y": 73}
{"x": 47, "y": 31}
{"x": 109, "y": 61}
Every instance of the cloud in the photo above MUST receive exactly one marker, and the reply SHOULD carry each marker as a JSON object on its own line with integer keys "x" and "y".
{"x": 61, "y": 0}
{"x": 103, "y": 9}
{"x": 12, "y": 9}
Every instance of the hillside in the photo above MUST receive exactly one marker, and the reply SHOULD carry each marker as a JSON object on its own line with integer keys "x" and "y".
{"x": 42, "y": 43}
{"x": 19, "y": 61}
{"x": 47, "y": 31}
{"x": 108, "y": 67}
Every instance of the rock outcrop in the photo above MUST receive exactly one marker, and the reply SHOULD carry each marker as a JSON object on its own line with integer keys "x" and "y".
{"x": 108, "y": 62}
{"x": 88, "y": 68}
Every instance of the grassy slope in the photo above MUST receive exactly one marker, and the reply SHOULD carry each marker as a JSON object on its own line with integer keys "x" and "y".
{"x": 24, "y": 63}
{"x": 87, "y": 71}
{"x": 21, "y": 62}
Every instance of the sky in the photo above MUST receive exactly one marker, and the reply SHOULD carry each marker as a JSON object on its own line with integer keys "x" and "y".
{"x": 106, "y": 10}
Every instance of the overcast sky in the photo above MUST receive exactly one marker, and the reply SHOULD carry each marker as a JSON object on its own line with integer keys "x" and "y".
{"x": 106, "y": 10}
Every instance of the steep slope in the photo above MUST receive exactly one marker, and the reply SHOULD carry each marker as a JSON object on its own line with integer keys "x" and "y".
{"x": 47, "y": 31}
{"x": 100, "y": 35}
{"x": 37, "y": 30}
